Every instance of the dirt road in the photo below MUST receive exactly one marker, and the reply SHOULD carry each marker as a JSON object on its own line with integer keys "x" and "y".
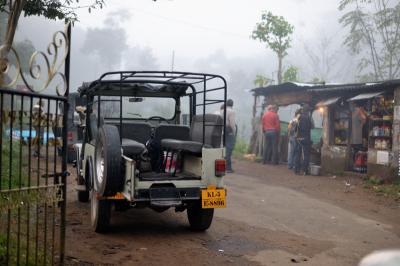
{"x": 273, "y": 218}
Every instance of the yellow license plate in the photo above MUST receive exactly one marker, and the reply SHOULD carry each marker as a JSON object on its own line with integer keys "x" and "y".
{"x": 213, "y": 198}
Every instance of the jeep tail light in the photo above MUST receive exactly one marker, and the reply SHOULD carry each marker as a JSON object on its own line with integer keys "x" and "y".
{"x": 69, "y": 136}
{"x": 220, "y": 165}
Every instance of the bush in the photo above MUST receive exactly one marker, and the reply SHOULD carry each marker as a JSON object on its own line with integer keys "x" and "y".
{"x": 241, "y": 148}
{"x": 391, "y": 190}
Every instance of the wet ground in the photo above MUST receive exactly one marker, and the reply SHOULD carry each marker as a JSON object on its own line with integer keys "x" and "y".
{"x": 273, "y": 218}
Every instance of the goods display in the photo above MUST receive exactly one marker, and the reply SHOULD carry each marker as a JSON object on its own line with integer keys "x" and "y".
{"x": 380, "y": 123}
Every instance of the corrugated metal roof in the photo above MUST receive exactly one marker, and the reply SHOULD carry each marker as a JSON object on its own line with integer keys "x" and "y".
{"x": 284, "y": 87}
{"x": 322, "y": 88}
{"x": 357, "y": 86}
{"x": 328, "y": 102}
{"x": 364, "y": 96}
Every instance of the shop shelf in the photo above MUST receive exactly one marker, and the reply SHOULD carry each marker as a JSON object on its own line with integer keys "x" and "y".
{"x": 381, "y": 120}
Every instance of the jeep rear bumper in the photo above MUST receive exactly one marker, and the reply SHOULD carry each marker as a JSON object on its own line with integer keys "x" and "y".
{"x": 167, "y": 196}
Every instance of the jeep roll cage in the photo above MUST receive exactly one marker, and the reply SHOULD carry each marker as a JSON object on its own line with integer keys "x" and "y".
{"x": 170, "y": 84}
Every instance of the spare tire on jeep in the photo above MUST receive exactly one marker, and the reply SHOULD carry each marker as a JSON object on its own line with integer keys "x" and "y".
{"x": 108, "y": 179}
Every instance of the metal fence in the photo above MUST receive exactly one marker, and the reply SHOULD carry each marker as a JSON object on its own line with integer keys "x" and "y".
{"x": 33, "y": 166}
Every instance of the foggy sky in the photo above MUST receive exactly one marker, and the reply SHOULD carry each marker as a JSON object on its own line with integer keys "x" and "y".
{"x": 205, "y": 36}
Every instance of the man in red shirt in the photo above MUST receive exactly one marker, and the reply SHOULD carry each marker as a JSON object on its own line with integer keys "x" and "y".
{"x": 271, "y": 129}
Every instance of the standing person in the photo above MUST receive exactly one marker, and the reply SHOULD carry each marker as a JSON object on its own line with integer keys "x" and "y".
{"x": 292, "y": 128}
{"x": 231, "y": 131}
{"x": 220, "y": 111}
{"x": 271, "y": 129}
{"x": 37, "y": 117}
{"x": 358, "y": 119}
{"x": 303, "y": 141}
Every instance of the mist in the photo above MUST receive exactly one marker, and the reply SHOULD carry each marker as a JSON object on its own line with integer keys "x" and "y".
{"x": 140, "y": 37}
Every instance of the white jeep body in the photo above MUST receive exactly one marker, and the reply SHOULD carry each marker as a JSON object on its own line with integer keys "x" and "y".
{"x": 137, "y": 153}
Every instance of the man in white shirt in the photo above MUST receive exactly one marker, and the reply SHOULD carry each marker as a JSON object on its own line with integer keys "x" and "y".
{"x": 231, "y": 130}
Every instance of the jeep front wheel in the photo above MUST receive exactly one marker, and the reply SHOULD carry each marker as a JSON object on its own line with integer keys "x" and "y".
{"x": 199, "y": 219}
{"x": 83, "y": 195}
{"x": 100, "y": 213}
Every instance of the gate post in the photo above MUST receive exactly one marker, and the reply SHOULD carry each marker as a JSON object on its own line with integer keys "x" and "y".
{"x": 64, "y": 149}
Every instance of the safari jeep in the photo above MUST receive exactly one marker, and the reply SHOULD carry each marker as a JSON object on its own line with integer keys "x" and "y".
{"x": 137, "y": 151}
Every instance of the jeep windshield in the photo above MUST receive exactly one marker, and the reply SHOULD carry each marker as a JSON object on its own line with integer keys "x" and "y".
{"x": 135, "y": 107}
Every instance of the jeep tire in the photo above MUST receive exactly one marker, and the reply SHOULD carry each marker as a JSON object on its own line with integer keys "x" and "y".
{"x": 83, "y": 195}
{"x": 199, "y": 219}
{"x": 107, "y": 178}
{"x": 100, "y": 213}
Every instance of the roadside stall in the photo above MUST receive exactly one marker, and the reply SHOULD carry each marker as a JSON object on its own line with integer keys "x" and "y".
{"x": 360, "y": 128}
{"x": 380, "y": 133}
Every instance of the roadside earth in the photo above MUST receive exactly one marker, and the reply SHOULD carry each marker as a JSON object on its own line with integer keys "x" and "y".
{"x": 273, "y": 218}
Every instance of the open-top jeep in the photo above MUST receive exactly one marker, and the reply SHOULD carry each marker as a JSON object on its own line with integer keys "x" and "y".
{"x": 138, "y": 153}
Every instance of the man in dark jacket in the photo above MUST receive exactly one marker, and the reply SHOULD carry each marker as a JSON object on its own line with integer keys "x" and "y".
{"x": 303, "y": 141}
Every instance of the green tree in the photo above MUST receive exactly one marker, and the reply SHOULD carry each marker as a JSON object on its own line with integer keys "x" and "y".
{"x": 261, "y": 80}
{"x": 3, "y": 23}
{"x": 291, "y": 74}
{"x": 24, "y": 49}
{"x": 374, "y": 35}
{"x": 51, "y": 9}
{"x": 276, "y": 33}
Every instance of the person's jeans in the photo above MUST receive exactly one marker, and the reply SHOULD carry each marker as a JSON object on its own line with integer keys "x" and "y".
{"x": 39, "y": 137}
{"x": 291, "y": 148}
{"x": 270, "y": 153}
{"x": 302, "y": 155}
{"x": 229, "y": 146}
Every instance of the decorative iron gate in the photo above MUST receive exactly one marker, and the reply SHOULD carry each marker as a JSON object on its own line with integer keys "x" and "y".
{"x": 33, "y": 166}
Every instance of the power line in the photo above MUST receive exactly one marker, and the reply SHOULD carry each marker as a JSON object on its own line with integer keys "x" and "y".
{"x": 191, "y": 24}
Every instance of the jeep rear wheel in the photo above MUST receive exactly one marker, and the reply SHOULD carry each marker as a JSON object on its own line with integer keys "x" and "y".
{"x": 100, "y": 213}
{"x": 199, "y": 219}
{"x": 108, "y": 179}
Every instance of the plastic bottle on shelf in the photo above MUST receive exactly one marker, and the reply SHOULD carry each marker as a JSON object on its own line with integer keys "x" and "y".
{"x": 375, "y": 131}
{"x": 387, "y": 131}
{"x": 384, "y": 144}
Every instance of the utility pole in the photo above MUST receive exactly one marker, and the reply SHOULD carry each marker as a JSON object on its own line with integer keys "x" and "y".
{"x": 172, "y": 60}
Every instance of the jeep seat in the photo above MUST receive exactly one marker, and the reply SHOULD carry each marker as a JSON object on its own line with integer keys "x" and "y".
{"x": 179, "y": 145}
{"x": 132, "y": 148}
{"x": 138, "y": 131}
{"x": 168, "y": 131}
{"x": 212, "y": 137}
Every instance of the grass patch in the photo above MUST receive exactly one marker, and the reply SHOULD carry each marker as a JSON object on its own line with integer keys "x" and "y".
{"x": 241, "y": 148}
{"x": 14, "y": 252}
{"x": 16, "y": 164}
{"x": 13, "y": 176}
{"x": 390, "y": 190}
